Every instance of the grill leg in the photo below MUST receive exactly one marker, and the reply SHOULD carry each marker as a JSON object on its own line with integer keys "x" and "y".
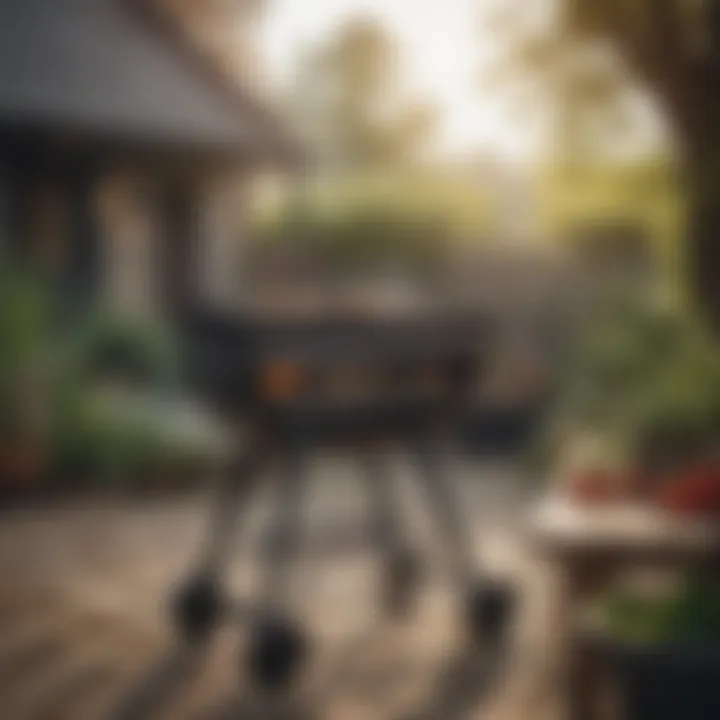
{"x": 434, "y": 474}
{"x": 244, "y": 480}
{"x": 489, "y": 604}
{"x": 199, "y": 604}
{"x": 401, "y": 566}
{"x": 285, "y": 533}
{"x": 277, "y": 645}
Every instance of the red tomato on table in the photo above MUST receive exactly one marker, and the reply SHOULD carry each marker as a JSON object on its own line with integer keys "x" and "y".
{"x": 693, "y": 492}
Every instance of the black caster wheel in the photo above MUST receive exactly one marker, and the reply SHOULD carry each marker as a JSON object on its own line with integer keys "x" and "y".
{"x": 275, "y": 654}
{"x": 196, "y": 608}
{"x": 490, "y": 610}
{"x": 403, "y": 573}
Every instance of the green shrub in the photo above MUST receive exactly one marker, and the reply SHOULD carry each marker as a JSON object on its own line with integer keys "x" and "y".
{"x": 643, "y": 375}
{"x": 122, "y": 436}
{"x": 52, "y": 377}
{"x": 358, "y": 240}
{"x": 689, "y": 613}
{"x": 109, "y": 346}
{"x": 368, "y": 224}
{"x": 24, "y": 351}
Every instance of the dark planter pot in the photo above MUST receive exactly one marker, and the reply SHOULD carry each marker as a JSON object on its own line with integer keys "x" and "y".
{"x": 673, "y": 682}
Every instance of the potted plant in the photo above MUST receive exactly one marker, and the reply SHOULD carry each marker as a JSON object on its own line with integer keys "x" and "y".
{"x": 664, "y": 650}
{"x": 644, "y": 381}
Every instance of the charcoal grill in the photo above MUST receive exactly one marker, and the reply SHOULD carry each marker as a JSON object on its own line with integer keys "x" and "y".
{"x": 364, "y": 383}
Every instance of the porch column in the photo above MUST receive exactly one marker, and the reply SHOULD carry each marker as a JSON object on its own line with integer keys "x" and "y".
{"x": 223, "y": 230}
{"x": 130, "y": 225}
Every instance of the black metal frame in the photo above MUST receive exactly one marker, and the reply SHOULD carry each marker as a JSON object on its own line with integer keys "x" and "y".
{"x": 287, "y": 429}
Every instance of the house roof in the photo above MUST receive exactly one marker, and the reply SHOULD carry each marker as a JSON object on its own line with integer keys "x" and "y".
{"x": 101, "y": 66}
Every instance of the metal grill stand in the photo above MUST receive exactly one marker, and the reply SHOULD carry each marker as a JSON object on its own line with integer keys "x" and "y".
{"x": 287, "y": 430}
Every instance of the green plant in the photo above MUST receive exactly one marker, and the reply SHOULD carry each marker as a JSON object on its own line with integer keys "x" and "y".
{"x": 109, "y": 346}
{"x": 690, "y": 613}
{"x": 52, "y": 376}
{"x": 646, "y": 376}
{"x": 24, "y": 335}
{"x": 95, "y": 436}
{"x": 369, "y": 222}
{"x": 123, "y": 435}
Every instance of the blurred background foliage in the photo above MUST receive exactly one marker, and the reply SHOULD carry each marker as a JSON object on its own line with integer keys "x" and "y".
{"x": 643, "y": 379}
{"x": 349, "y": 106}
{"x": 25, "y": 317}
{"x": 689, "y": 614}
{"x": 606, "y": 156}
{"x": 379, "y": 219}
{"x": 88, "y": 398}
{"x": 646, "y": 194}
{"x": 607, "y": 80}
{"x": 375, "y": 220}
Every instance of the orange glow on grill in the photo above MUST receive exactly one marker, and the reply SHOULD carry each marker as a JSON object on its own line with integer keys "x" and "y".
{"x": 282, "y": 380}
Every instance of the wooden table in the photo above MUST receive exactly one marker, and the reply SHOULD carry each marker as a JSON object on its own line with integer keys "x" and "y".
{"x": 588, "y": 546}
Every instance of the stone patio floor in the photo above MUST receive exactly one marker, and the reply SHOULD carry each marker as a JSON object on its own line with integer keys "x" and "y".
{"x": 84, "y": 628}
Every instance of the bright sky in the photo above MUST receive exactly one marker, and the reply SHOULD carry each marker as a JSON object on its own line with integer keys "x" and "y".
{"x": 440, "y": 45}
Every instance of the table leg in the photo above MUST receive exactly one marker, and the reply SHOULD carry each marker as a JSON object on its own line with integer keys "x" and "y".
{"x": 580, "y": 670}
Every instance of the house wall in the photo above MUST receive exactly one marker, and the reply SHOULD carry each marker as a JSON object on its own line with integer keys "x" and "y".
{"x": 223, "y": 232}
{"x": 48, "y": 219}
{"x": 134, "y": 234}
{"x": 51, "y": 226}
{"x": 129, "y": 257}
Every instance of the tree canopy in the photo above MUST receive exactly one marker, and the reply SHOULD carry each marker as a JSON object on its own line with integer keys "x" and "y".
{"x": 671, "y": 48}
{"x": 349, "y": 103}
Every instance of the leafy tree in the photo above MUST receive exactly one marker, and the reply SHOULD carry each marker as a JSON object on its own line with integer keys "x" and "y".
{"x": 347, "y": 103}
{"x": 577, "y": 91}
{"x": 671, "y": 48}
